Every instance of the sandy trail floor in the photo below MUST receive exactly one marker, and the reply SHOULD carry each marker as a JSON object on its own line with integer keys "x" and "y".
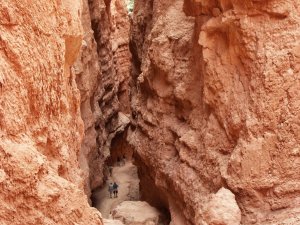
{"x": 127, "y": 179}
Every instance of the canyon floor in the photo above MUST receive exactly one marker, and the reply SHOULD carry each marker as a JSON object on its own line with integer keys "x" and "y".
{"x": 127, "y": 179}
{"x": 127, "y": 208}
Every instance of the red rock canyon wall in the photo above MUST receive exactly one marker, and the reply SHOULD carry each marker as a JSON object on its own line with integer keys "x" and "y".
{"x": 216, "y": 109}
{"x": 40, "y": 125}
{"x": 213, "y": 98}
{"x": 102, "y": 75}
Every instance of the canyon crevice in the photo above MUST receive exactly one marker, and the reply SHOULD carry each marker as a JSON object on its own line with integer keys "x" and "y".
{"x": 204, "y": 95}
{"x": 102, "y": 75}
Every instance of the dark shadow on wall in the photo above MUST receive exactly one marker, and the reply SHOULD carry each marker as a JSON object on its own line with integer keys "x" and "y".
{"x": 149, "y": 192}
{"x": 119, "y": 148}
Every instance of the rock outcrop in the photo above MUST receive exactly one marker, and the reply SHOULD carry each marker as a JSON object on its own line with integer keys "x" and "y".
{"x": 40, "y": 125}
{"x": 136, "y": 213}
{"x": 222, "y": 209}
{"x": 215, "y": 104}
{"x": 103, "y": 74}
{"x": 112, "y": 222}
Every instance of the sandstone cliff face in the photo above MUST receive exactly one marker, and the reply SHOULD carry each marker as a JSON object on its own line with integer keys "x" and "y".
{"x": 40, "y": 125}
{"x": 215, "y": 103}
{"x": 88, "y": 75}
{"x": 103, "y": 74}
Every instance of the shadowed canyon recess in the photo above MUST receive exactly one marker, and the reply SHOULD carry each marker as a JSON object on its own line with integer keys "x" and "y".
{"x": 190, "y": 106}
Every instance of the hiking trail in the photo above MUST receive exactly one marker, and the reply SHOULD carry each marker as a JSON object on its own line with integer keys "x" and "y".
{"x": 127, "y": 179}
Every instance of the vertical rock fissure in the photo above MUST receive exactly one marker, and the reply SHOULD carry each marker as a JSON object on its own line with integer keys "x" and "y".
{"x": 102, "y": 75}
{"x": 187, "y": 104}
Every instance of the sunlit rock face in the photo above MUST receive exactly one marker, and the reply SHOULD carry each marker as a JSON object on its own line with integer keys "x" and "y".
{"x": 40, "y": 124}
{"x": 102, "y": 76}
{"x": 215, "y": 103}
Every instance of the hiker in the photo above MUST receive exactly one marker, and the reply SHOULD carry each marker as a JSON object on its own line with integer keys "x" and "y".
{"x": 110, "y": 168}
{"x": 111, "y": 189}
{"x": 115, "y": 188}
{"x": 118, "y": 161}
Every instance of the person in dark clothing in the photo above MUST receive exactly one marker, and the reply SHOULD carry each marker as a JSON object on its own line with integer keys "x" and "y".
{"x": 115, "y": 189}
{"x": 110, "y": 189}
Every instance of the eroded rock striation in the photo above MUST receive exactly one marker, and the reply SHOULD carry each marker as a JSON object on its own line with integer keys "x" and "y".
{"x": 215, "y": 104}
{"x": 88, "y": 79}
{"x": 40, "y": 125}
{"x": 102, "y": 75}
{"x": 213, "y": 97}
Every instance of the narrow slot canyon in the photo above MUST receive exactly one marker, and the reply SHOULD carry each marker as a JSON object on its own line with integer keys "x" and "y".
{"x": 125, "y": 173}
{"x": 125, "y": 120}
{"x": 188, "y": 108}
{"x": 111, "y": 95}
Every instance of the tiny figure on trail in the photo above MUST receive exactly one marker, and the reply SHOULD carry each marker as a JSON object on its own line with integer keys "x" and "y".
{"x": 110, "y": 169}
{"x": 118, "y": 161}
{"x": 111, "y": 189}
{"x": 115, "y": 188}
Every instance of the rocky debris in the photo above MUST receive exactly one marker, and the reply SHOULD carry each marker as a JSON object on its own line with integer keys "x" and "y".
{"x": 215, "y": 104}
{"x": 136, "y": 213}
{"x": 222, "y": 209}
{"x": 112, "y": 222}
{"x": 40, "y": 125}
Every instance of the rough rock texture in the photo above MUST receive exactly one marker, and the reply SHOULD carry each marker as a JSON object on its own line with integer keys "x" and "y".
{"x": 103, "y": 74}
{"x": 222, "y": 209}
{"x": 40, "y": 125}
{"x": 216, "y": 104}
{"x": 88, "y": 75}
{"x": 136, "y": 213}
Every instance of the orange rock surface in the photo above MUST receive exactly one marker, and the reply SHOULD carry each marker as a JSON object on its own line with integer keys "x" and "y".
{"x": 88, "y": 72}
{"x": 40, "y": 125}
{"x": 216, "y": 105}
{"x": 213, "y": 103}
